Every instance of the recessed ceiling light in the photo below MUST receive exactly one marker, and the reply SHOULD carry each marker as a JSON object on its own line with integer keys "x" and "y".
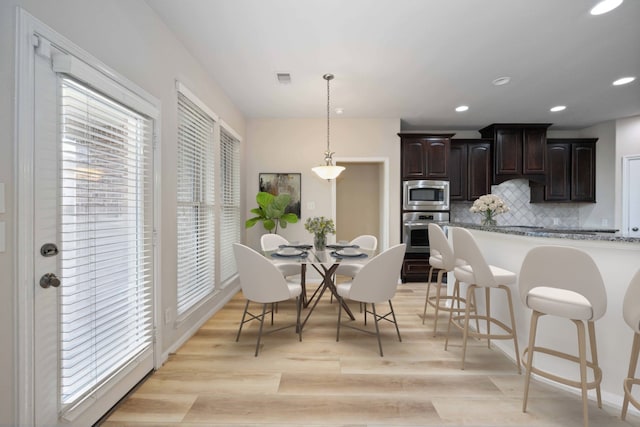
{"x": 284, "y": 78}
{"x": 558, "y": 108}
{"x": 501, "y": 81}
{"x": 462, "y": 108}
{"x": 605, "y": 6}
{"x": 339, "y": 110}
{"x": 623, "y": 81}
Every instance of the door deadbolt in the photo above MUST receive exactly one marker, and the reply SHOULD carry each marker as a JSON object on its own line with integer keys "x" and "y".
{"x": 49, "y": 249}
{"x": 49, "y": 279}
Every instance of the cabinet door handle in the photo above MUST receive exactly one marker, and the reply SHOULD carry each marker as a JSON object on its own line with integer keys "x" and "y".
{"x": 634, "y": 229}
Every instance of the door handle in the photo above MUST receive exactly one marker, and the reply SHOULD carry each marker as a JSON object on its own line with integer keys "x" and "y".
{"x": 49, "y": 279}
{"x": 634, "y": 229}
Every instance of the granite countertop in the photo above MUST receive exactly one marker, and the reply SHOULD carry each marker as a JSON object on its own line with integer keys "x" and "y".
{"x": 603, "y": 234}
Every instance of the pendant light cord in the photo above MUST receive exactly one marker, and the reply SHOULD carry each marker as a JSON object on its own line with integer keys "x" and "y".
{"x": 328, "y": 154}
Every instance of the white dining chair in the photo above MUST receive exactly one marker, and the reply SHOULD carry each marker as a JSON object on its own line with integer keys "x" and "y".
{"x": 478, "y": 274}
{"x": 271, "y": 242}
{"x": 564, "y": 282}
{"x": 366, "y": 242}
{"x": 263, "y": 283}
{"x": 376, "y": 282}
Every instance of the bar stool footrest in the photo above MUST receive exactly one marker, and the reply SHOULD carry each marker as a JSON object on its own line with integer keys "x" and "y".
{"x": 597, "y": 372}
{"x": 507, "y": 336}
{"x": 431, "y": 302}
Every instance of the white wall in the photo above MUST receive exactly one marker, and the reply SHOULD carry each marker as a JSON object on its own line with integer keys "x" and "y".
{"x": 627, "y": 143}
{"x": 127, "y": 36}
{"x": 297, "y": 145}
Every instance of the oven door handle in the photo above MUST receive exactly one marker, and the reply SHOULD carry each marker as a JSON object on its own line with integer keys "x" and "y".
{"x": 416, "y": 224}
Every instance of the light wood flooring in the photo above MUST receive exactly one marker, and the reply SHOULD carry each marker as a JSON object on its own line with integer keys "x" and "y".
{"x": 214, "y": 381}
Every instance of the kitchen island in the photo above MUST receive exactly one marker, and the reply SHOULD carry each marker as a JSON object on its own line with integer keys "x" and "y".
{"x": 617, "y": 257}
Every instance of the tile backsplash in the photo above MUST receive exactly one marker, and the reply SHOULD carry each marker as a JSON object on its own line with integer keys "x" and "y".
{"x": 516, "y": 195}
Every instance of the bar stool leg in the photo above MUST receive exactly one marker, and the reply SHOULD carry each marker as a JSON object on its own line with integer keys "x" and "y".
{"x": 446, "y": 341}
{"x": 635, "y": 350}
{"x": 426, "y": 301}
{"x": 487, "y": 297}
{"x": 437, "y": 305}
{"x": 582, "y": 350}
{"x": 513, "y": 327}
{"x": 467, "y": 311}
{"x": 594, "y": 358}
{"x": 529, "y": 350}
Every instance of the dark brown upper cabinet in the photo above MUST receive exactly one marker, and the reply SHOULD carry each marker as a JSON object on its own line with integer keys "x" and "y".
{"x": 571, "y": 172}
{"x": 425, "y": 156}
{"x": 518, "y": 150}
{"x": 469, "y": 169}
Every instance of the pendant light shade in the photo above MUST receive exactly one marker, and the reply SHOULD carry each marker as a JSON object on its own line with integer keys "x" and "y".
{"x": 328, "y": 171}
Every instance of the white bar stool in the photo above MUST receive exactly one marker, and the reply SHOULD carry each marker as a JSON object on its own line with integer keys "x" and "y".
{"x": 443, "y": 260}
{"x": 631, "y": 314}
{"x": 478, "y": 274}
{"x": 563, "y": 282}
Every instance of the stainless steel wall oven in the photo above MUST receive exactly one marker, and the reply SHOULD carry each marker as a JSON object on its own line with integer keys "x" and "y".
{"x": 415, "y": 225}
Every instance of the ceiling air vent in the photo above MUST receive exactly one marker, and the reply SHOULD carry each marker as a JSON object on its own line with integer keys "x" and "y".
{"x": 284, "y": 78}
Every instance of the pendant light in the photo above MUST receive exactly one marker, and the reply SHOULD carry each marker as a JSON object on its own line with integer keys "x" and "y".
{"x": 328, "y": 171}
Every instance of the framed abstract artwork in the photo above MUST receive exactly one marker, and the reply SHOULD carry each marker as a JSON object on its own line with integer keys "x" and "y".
{"x": 280, "y": 183}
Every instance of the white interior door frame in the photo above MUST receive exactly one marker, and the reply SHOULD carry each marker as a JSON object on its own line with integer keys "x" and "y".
{"x": 384, "y": 161}
{"x": 626, "y": 189}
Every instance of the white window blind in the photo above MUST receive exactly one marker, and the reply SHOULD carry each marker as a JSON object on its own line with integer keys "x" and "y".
{"x": 196, "y": 210}
{"x": 106, "y": 257}
{"x": 230, "y": 205}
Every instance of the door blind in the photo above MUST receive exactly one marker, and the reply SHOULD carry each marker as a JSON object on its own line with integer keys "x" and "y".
{"x": 195, "y": 216}
{"x": 230, "y": 205}
{"x": 106, "y": 227}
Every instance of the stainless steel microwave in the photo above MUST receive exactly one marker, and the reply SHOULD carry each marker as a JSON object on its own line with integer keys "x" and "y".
{"x": 425, "y": 195}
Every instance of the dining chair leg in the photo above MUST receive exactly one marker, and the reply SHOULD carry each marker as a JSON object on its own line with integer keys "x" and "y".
{"x": 426, "y": 300}
{"x": 594, "y": 359}
{"x": 629, "y": 381}
{"x": 339, "y": 317}
{"x": 299, "y": 303}
{"x": 365, "y": 315}
{"x": 244, "y": 314}
{"x": 529, "y": 351}
{"x": 582, "y": 351}
{"x": 264, "y": 312}
{"x": 375, "y": 320}
{"x": 395, "y": 322}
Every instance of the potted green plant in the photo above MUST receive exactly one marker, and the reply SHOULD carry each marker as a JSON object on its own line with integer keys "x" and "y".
{"x": 271, "y": 212}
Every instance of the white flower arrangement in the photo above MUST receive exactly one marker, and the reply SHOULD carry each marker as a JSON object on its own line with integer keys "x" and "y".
{"x": 489, "y": 206}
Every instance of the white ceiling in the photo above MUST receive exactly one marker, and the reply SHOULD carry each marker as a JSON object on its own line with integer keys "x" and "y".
{"x": 418, "y": 59}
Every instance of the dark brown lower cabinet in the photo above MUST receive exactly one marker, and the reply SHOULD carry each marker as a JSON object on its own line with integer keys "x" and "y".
{"x": 415, "y": 268}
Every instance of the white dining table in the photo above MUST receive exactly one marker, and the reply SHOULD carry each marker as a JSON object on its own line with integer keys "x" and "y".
{"x": 325, "y": 263}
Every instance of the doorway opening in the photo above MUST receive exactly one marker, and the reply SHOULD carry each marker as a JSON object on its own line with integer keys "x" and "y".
{"x": 361, "y": 199}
